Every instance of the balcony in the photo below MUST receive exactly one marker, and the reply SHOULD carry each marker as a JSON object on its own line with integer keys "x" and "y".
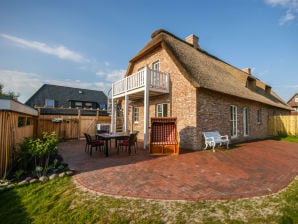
{"x": 156, "y": 82}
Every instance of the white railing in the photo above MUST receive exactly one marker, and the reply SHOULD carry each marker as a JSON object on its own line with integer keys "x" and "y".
{"x": 158, "y": 81}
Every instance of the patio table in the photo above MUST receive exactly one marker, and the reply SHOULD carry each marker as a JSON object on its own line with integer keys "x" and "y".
{"x": 109, "y": 136}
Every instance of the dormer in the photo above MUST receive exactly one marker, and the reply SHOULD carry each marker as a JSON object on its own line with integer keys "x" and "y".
{"x": 268, "y": 90}
{"x": 251, "y": 83}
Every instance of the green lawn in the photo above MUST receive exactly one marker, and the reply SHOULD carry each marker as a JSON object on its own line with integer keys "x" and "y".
{"x": 287, "y": 138}
{"x": 60, "y": 201}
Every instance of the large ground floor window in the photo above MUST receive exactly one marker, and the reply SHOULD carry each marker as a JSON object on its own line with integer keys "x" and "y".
{"x": 245, "y": 121}
{"x": 233, "y": 120}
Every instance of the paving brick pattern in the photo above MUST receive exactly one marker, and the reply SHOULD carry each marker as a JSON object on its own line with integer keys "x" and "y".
{"x": 246, "y": 170}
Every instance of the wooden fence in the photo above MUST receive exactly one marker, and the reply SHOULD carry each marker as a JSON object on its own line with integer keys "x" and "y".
{"x": 283, "y": 125}
{"x": 15, "y": 126}
{"x": 70, "y": 126}
{"x": 13, "y": 132}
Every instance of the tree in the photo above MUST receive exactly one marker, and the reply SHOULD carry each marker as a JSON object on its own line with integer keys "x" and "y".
{"x": 10, "y": 94}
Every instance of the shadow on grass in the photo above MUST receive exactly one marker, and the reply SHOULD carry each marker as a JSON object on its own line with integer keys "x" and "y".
{"x": 11, "y": 207}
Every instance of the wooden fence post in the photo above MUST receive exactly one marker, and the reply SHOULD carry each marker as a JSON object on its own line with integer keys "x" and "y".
{"x": 79, "y": 124}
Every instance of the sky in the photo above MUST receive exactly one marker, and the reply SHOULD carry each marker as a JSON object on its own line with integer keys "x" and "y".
{"x": 88, "y": 44}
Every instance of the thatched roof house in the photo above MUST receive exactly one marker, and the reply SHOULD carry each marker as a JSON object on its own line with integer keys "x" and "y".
{"x": 205, "y": 93}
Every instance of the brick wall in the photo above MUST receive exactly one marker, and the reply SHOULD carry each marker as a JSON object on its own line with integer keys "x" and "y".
{"x": 199, "y": 110}
{"x": 215, "y": 107}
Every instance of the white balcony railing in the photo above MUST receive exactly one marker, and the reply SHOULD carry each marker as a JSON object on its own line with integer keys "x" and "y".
{"x": 158, "y": 81}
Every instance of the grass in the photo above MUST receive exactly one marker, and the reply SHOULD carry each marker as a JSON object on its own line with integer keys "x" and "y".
{"x": 286, "y": 138}
{"x": 60, "y": 201}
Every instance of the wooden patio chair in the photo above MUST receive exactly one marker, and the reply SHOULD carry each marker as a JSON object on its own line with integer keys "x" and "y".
{"x": 164, "y": 137}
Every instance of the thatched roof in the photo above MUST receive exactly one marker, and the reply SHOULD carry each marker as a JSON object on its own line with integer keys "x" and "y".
{"x": 204, "y": 70}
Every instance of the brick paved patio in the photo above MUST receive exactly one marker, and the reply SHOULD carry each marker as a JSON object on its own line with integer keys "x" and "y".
{"x": 246, "y": 170}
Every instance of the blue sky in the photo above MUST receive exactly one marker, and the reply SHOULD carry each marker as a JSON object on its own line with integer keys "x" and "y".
{"x": 88, "y": 44}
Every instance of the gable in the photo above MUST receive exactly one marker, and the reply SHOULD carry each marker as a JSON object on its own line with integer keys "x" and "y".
{"x": 293, "y": 102}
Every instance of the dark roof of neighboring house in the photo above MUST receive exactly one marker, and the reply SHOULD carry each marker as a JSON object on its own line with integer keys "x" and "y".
{"x": 62, "y": 95}
{"x": 292, "y": 102}
{"x": 204, "y": 70}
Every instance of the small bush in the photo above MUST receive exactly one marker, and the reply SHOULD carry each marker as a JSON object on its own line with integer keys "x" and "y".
{"x": 38, "y": 156}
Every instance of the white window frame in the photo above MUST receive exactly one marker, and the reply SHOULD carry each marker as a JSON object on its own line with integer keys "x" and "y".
{"x": 234, "y": 121}
{"x": 245, "y": 121}
{"x": 155, "y": 76}
{"x": 162, "y": 110}
{"x": 156, "y": 65}
{"x": 136, "y": 114}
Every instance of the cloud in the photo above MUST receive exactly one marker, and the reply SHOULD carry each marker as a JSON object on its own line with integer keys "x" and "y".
{"x": 111, "y": 76}
{"x": 59, "y": 51}
{"x": 26, "y": 84}
{"x": 288, "y": 17}
{"x": 291, "y": 7}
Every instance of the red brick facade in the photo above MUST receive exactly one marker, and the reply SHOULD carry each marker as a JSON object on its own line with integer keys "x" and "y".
{"x": 199, "y": 109}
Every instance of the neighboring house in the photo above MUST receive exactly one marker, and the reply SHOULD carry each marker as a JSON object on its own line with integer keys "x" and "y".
{"x": 293, "y": 102}
{"x": 171, "y": 77}
{"x": 17, "y": 121}
{"x": 63, "y": 99}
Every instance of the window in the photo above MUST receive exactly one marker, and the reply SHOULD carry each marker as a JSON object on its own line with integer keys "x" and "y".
{"x": 245, "y": 121}
{"x": 23, "y": 121}
{"x": 259, "y": 116}
{"x": 296, "y": 100}
{"x": 162, "y": 110}
{"x": 155, "y": 76}
{"x": 50, "y": 103}
{"x": 233, "y": 120}
{"x": 28, "y": 121}
{"x": 78, "y": 104}
{"x": 88, "y": 105}
{"x": 135, "y": 114}
{"x": 155, "y": 65}
{"x": 102, "y": 106}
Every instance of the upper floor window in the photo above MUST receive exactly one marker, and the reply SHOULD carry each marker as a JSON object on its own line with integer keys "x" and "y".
{"x": 78, "y": 104}
{"x": 296, "y": 100}
{"x": 155, "y": 65}
{"x": 135, "y": 114}
{"x": 162, "y": 110}
{"x": 50, "y": 103}
{"x": 88, "y": 105}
